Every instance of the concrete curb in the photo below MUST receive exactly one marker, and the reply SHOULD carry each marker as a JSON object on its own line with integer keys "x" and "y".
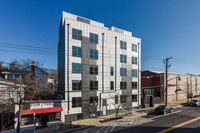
{"x": 76, "y": 129}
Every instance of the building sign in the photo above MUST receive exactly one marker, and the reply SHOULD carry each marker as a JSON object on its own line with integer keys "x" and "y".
{"x": 41, "y": 105}
{"x": 147, "y": 92}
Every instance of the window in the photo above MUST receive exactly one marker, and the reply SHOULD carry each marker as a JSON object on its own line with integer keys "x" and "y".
{"x": 134, "y": 98}
{"x": 122, "y": 98}
{"x": 94, "y": 101}
{"x": 111, "y": 71}
{"x": 76, "y": 85}
{"x": 111, "y": 85}
{"x": 123, "y": 58}
{"x": 122, "y": 45}
{"x": 94, "y": 69}
{"x": 93, "y": 38}
{"x": 76, "y": 68}
{"x": 134, "y": 72}
{"x": 134, "y": 47}
{"x": 122, "y": 85}
{"x": 93, "y": 85}
{"x": 116, "y": 99}
{"x": 123, "y": 72}
{"x": 17, "y": 76}
{"x": 76, "y": 102}
{"x": 134, "y": 85}
{"x": 134, "y": 60}
{"x": 76, "y": 51}
{"x": 93, "y": 54}
{"x": 76, "y": 34}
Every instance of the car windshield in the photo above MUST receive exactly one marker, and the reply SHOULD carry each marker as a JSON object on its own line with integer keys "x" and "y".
{"x": 161, "y": 107}
{"x": 194, "y": 100}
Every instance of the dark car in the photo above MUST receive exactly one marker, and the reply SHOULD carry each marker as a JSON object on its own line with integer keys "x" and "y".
{"x": 193, "y": 102}
{"x": 163, "y": 109}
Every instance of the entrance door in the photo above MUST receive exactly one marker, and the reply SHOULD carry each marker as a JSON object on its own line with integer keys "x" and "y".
{"x": 104, "y": 107}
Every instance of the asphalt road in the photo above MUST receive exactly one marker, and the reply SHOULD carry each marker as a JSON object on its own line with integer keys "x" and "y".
{"x": 187, "y": 120}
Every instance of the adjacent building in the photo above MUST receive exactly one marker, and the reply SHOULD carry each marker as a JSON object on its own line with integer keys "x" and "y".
{"x": 98, "y": 67}
{"x": 180, "y": 86}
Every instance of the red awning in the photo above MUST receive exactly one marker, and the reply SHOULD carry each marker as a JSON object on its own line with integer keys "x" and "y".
{"x": 42, "y": 111}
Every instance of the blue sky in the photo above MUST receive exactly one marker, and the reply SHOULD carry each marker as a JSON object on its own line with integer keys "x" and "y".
{"x": 166, "y": 27}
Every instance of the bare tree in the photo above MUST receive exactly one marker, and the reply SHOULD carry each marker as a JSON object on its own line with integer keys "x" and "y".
{"x": 187, "y": 91}
{"x": 25, "y": 90}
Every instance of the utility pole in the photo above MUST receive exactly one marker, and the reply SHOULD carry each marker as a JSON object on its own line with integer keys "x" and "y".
{"x": 166, "y": 67}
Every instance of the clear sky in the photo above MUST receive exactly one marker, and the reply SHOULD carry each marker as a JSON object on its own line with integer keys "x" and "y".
{"x": 166, "y": 27}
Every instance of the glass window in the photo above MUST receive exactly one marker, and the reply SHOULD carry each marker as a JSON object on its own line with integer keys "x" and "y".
{"x": 111, "y": 71}
{"x": 134, "y": 72}
{"x": 123, "y": 72}
{"x": 123, "y": 58}
{"x": 116, "y": 99}
{"x": 122, "y": 98}
{"x": 134, "y": 60}
{"x": 134, "y": 47}
{"x": 93, "y": 85}
{"x": 123, "y": 85}
{"x": 111, "y": 85}
{"x": 76, "y": 102}
{"x": 134, "y": 98}
{"x": 94, "y": 69}
{"x": 134, "y": 85}
{"x": 94, "y": 101}
{"x": 76, "y": 68}
{"x": 93, "y": 38}
{"x": 123, "y": 45}
{"x": 93, "y": 54}
{"x": 76, "y": 34}
{"x": 76, "y": 85}
{"x": 76, "y": 51}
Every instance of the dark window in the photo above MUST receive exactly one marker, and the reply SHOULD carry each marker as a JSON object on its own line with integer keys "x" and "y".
{"x": 93, "y": 54}
{"x": 134, "y": 72}
{"x": 93, "y": 38}
{"x": 158, "y": 93}
{"x": 94, "y": 69}
{"x": 111, "y": 71}
{"x": 122, "y": 98}
{"x": 134, "y": 60}
{"x": 94, "y": 101}
{"x": 76, "y": 34}
{"x": 116, "y": 99}
{"x": 134, "y": 85}
{"x": 123, "y": 72}
{"x": 93, "y": 85}
{"x": 122, "y": 45}
{"x": 122, "y": 85}
{"x": 111, "y": 85}
{"x": 134, "y": 47}
{"x": 123, "y": 58}
{"x": 104, "y": 102}
{"x": 76, "y": 51}
{"x": 76, "y": 102}
{"x": 76, "y": 68}
{"x": 76, "y": 85}
{"x": 134, "y": 98}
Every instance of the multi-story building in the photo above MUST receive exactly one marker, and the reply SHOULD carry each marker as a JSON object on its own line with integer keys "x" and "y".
{"x": 98, "y": 68}
{"x": 180, "y": 86}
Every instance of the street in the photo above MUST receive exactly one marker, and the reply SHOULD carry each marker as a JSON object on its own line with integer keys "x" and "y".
{"x": 182, "y": 120}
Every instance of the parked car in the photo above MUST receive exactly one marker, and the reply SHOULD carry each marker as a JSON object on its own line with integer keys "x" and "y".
{"x": 163, "y": 109}
{"x": 194, "y": 103}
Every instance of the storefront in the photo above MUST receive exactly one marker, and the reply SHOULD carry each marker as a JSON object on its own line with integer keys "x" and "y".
{"x": 45, "y": 113}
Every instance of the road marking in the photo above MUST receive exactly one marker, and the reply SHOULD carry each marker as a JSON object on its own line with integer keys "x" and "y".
{"x": 100, "y": 129}
{"x": 166, "y": 114}
{"x": 179, "y": 125}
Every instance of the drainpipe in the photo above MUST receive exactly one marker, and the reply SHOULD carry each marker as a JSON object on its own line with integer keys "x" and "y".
{"x": 68, "y": 68}
{"x": 138, "y": 74}
{"x": 115, "y": 64}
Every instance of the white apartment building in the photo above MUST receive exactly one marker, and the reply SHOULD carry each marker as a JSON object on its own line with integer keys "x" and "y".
{"x": 98, "y": 68}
